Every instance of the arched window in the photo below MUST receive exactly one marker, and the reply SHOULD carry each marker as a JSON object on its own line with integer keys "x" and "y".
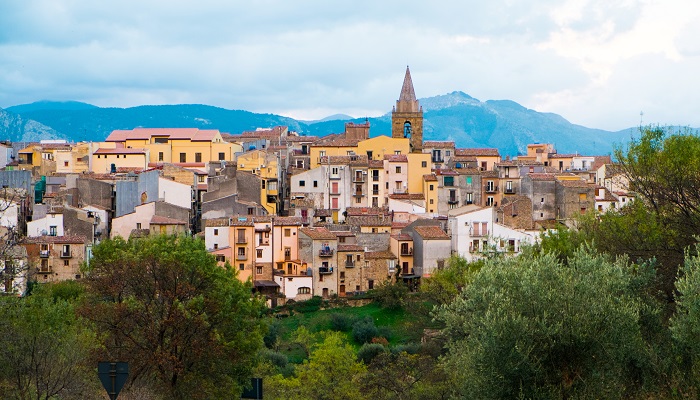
{"x": 304, "y": 290}
{"x": 407, "y": 130}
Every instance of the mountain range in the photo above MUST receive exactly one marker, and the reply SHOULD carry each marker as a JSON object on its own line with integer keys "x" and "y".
{"x": 456, "y": 116}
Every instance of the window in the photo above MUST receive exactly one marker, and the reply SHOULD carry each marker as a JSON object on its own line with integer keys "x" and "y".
{"x": 509, "y": 186}
{"x": 220, "y": 258}
{"x": 375, "y": 175}
{"x": 449, "y": 181}
{"x": 489, "y": 186}
{"x": 222, "y": 156}
{"x": 341, "y": 239}
{"x": 241, "y": 267}
{"x": 334, "y": 171}
{"x": 302, "y": 183}
{"x": 160, "y": 156}
{"x": 469, "y": 198}
{"x": 322, "y": 153}
{"x": 369, "y": 154}
{"x": 287, "y": 253}
{"x": 334, "y": 203}
{"x": 66, "y": 263}
{"x": 183, "y": 157}
{"x": 375, "y": 189}
{"x": 216, "y": 246}
{"x": 258, "y": 270}
{"x": 259, "y": 253}
{"x": 432, "y": 187}
{"x": 263, "y": 183}
{"x": 424, "y": 164}
{"x": 469, "y": 180}
{"x": 448, "y": 153}
{"x": 315, "y": 183}
{"x": 216, "y": 232}
{"x": 241, "y": 251}
{"x": 53, "y": 230}
{"x": 200, "y": 178}
{"x": 304, "y": 290}
{"x": 489, "y": 201}
{"x": 370, "y": 284}
{"x": 197, "y": 157}
{"x": 161, "y": 140}
{"x": 397, "y": 152}
{"x": 431, "y": 201}
{"x": 138, "y": 225}
{"x": 251, "y": 210}
{"x": 398, "y": 170}
{"x": 287, "y": 232}
{"x": 582, "y": 196}
{"x": 65, "y": 163}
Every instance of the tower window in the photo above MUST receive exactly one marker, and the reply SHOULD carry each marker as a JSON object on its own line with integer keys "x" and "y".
{"x": 407, "y": 129}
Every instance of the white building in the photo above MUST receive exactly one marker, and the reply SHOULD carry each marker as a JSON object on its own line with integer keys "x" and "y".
{"x": 475, "y": 232}
{"x": 51, "y": 225}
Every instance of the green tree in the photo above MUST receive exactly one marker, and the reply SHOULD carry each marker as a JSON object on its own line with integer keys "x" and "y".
{"x": 685, "y": 324}
{"x": 444, "y": 285}
{"x": 188, "y": 328}
{"x": 332, "y": 372}
{"x": 44, "y": 347}
{"x": 533, "y": 327}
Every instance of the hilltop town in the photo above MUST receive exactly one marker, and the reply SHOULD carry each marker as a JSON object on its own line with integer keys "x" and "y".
{"x": 299, "y": 216}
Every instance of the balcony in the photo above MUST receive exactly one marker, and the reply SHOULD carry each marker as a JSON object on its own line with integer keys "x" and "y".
{"x": 400, "y": 191}
{"x": 407, "y": 252}
{"x": 358, "y": 194}
{"x": 438, "y": 160}
{"x": 375, "y": 192}
{"x": 287, "y": 257}
{"x": 325, "y": 270}
{"x": 509, "y": 191}
{"x": 66, "y": 254}
{"x": 452, "y": 200}
{"x": 491, "y": 189}
{"x": 241, "y": 257}
{"x": 241, "y": 240}
{"x": 358, "y": 179}
{"x": 335, "y": 192}
{"x": 44, "y": 254}
{"x": 349, "y": 264}
{"x": 325, "y": 253}
{"x": 480, "y": 233}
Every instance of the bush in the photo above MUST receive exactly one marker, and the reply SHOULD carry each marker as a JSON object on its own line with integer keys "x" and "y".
{"x": 364, "y": 330}
{"x": 341, "y": 322}
{"x": 311, "y": 305}
{"x": 410, "y": 348}
{"x": 272, "y": 335}
{"x": 368, "y": 351}
{"x": 279, "y": 360}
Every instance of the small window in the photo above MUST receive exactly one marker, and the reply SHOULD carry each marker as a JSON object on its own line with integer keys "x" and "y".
{"x": 424, "y": 164}
{"x": 222, "y": 156}
{"x": 197, "y": 157}
{"x": 302, "y": 183}
{"x": 183, "y": 157}
{"x": 432, "y": 187}
{"x": 304, "y": 290}
{"x": 449, "y": 181}
{"x": 216, "y": 246}
{"x": 315, "y": 183}
{"x": 397, "y": 152}
{"x": 241, "y": 267}
{"x": 287, "y": 232}
{"x": 398, "y": 170}
{"x": 66, "y": 263}
{"x": 448, "y": 153}
{"x": 263, "y": 184}
{"x": 259, "y": 253}
{"x": 216, "y": 232}
{"x": 160, "y": 156}
{"x": 258, "y": 270}
{"x": 251, "y": 210}
{"x": 138, "y": 225}
{"x": 220, "y": 258}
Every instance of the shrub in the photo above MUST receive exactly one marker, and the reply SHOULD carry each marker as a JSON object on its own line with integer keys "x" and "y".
{"x": 272, "y": 335}
{"x": 368, "y": 351}
{"x": 364, "y": 330}
{"x": 341, "y": 322}
{"x": 410, "y": 348}
{"x": 391, "y": 296}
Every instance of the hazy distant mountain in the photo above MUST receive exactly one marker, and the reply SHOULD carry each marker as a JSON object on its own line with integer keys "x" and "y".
{"x": 456, "y": 116}
{"x": 15, "y": 128}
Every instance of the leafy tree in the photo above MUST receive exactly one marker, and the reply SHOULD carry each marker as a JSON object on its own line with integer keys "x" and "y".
{"x": 532, "y": 327}
{"x": 444, "y": 285}
{"x": 188, "y": 328}
{"x": 332, "y": 372}
{"x": 363, "y": 330}
{"x": 369, "y": 351}
{"x": 44, "y": 347}
{"x": 685, "y": 324}
{"x": 391, "y": 295}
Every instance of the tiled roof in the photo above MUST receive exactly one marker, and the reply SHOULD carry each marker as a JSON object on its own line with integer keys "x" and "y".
{"x": 193, "y": 134}
{"x": 376, "y": 164}
{"x": 429, "y": 177}
{"x": 120, "y": 150}
{"x": 158, "y": 220}
{"x": 478, "y": 152}
{"x": 338, "y": 143}
{"x": 343, "y": 233}
{"x": 377, "y": 255}
{"x": 369, "y": 220}
{"x": 541, "y": 177}
{"x": 402, "y": 237}
{"x": 318, "y": 233}
{"x": 431, "y": 232}
{"x": 287, "y": 221}
{"x": 573, "y": 184}
{"x": 445, "y": 171}
{"x": 68, "y": 239}
{"x": 359, "y": 159}
{"x": 396, "y": 157}
{"x": 352, "y": 211}
{"x": 428, "y": 144}
{"x": 350, "y": 247}
{"x": 215, "y": 222}
{"x": 399, "y": 224}
{"x": 407, "y": 196}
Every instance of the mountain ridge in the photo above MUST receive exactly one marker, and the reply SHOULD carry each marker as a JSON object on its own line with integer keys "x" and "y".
{"x": 503, "y": 124}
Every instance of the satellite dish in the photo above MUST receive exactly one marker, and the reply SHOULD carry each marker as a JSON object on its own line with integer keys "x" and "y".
{"x": 44, "y": 232}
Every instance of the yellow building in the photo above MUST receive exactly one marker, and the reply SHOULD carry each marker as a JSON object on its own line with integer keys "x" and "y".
{"x": 430, "y": 191}
{"x": 265, "y": 165}
{"x": 176, "y": 145}
{"x": 106, "y": 161}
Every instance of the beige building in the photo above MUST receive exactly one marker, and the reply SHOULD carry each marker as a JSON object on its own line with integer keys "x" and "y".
{"x": 55, "y": 258}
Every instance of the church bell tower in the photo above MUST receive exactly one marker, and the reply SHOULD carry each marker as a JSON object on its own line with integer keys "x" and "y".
{"x": 407, "y": 116}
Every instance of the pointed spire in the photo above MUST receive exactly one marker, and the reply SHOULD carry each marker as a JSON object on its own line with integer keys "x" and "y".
{"x": 407, "y": 92}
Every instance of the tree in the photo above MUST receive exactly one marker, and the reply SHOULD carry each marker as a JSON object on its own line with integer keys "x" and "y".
{"x": 532, "y": 327}
{"x": 187, "y": 327}
{"x": 44, "y": 347}
{"x": 332, "y": 372}
{"x": 444, "y": 285}
{"x": 685, "y": 324}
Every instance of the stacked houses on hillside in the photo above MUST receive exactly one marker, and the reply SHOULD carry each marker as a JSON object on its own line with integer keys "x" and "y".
{"x": 296, "y": 215}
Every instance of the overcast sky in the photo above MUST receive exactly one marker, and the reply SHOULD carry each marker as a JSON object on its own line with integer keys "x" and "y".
{"x": 598, "y": 63}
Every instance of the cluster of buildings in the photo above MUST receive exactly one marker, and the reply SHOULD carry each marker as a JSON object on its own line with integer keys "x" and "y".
{"x": 297, "y": 215}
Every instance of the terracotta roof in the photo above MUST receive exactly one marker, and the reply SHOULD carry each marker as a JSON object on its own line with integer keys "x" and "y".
{"x": 343, "y": 233}
{"x": 431, "y": 232}
{"x": 323, "y": 212}
{"x": 429, "y": 177}
{"x": 402, "y": 237}
{"x": 541, "y": 177}
{"x": 318, "y": 233}
{"x": 445, "y": 171}
{"x": 386, "y": 254}
{"x": 464, "y": 158}
{"x": 193, "y": 134}
{"x": 350, "y": 247}
{"x": 352, "y": 211}
{"x": 338, "y": 143}
{"x": 376, "y": 164}
{"x": 215, "y": 222}
{"x": 158, "y": 220}
{"x": 407, "y": 196}
{"x": 438, "y": 144}
{"x": 369, "y": 220}
{"x": 67, "y": 239}
{"x": 122, "y": 150}
{"x": 124, "y": 170}
{"x": 399, "y": 224}
{"x": 359, "y": 159}
{"x": 396, "y": 157}
{"x": 478, "y": 152}
{"x": 287, "y": 221}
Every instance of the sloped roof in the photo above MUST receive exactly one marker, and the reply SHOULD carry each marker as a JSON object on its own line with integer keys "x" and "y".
{"x": 431, "y": 232}
{"x": 318, "y": 233}
{"x": 407, "y": 92}
{"x": 490, "y": 152}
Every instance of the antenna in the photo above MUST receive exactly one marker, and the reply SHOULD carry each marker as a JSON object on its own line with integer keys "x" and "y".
{"x": 641, "y": 118}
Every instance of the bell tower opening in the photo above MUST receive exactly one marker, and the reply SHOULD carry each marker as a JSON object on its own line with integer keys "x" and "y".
{"x": 407, "y": 129}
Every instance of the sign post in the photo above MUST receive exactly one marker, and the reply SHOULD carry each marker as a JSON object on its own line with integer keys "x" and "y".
{"x": 113, "y": 377}
{"x": 255, "y": 392}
